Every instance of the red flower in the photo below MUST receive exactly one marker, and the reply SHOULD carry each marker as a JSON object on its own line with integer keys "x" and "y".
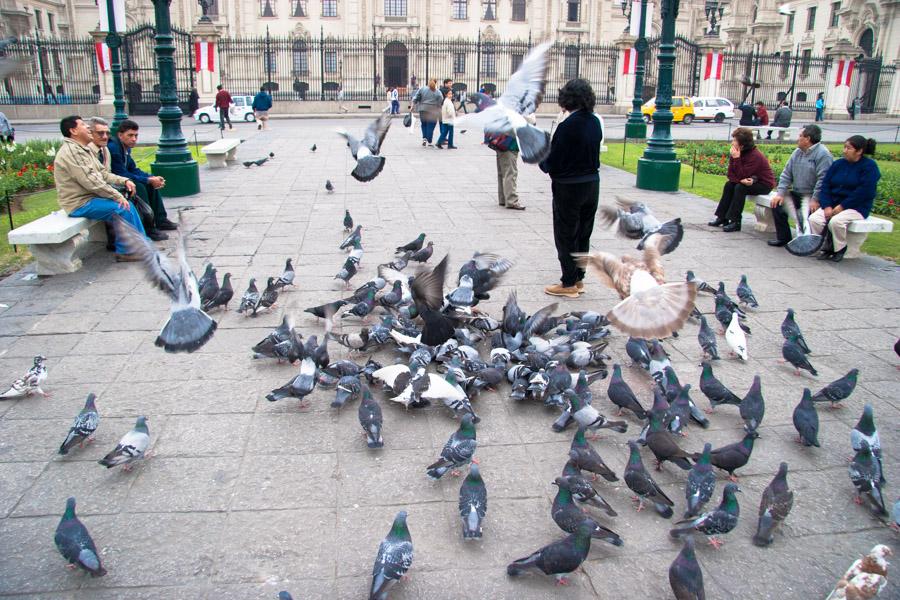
{"x": 891, "y": 202}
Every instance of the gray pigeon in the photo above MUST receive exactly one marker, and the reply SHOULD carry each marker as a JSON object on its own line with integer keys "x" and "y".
{"x": 394, "y": 558}
{"x": 370, "y": 419}
{"x": 133, "y": 446}
{"x": 75, "y": 543}
{"x": 413, "y": 246}
{"x": 287, "y": 278}
{"x": 701, "y": 483}
{"x": 458, "y": 451}
{"x": 250, "y": 298}
{"x": 745, "y": 294}
{"x": 753, "y": 406}
{"x": 583, "y": 491}
{"x": 30, "y": 382}
{"x": 641, "y": 483}
{"x": 583, "y": 456}
{"x": 222, "y": 297}
{"x": 83, "y": 427}
{"x": 774, "y": 506}
{"x": 806, "y": 420}
{"x": 366, "y": 151}
{"x": 789, "y": 328}
{"x": 707, "y": 338}
{"x": 702, "y": 286}
{"x": 329, "y": 187}
{"x": 559, "y": 558}
{"x": 715, "y": 522}
{"x": 300, "y": 386}
{"x": 568, "y": 516}
{"x": 685, "y": 575}
{"x": 210, "y": 286}
{"x": 472, "y": 503}
{"x": 622, "y": 396}
{"x": 348, "y": 221}
{"x": 794, "y": 354}
{"x": 865, "y": 431}
{"x": 865, "y": 474}
{"x": 838, "y": 390}
{"x": 714, "y": 390}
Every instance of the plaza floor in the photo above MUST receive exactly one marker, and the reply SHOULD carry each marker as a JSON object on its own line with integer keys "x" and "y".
{"x": 244, "y": 497}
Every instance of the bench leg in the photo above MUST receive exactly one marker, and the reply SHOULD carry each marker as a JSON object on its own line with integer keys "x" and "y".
{"x": 231, "y": 156}
{"x": 56, "y": 259}
{"x": 854, "y": 243}
{"x": 764, "y": 221}
{"x": 216, "y": 161}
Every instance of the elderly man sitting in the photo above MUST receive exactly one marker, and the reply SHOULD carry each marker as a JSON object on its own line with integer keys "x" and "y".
{"x": 803, "y": 174}
{"x": 84, "y": 189}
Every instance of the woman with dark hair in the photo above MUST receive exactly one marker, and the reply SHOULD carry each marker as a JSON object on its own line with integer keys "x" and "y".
{"x": 573, "y": 166}
{"x": 428, "y": 101}
{"x": 847, "y": 194}
{"x": 749, "y": 173}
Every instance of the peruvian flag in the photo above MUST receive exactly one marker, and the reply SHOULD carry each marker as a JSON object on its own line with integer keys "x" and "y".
{"x": 629, "y": 61}
{"x": 844, "y": 72}
{"x": 104, "y": 59}
{"x": 204, "y": 53}
{"x": 634, "y": 27}
{"x": 713, "y": 66}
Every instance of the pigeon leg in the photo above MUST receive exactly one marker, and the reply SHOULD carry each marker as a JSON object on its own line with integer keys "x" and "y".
{"x": 592, "y": 436}
{"x": 128, "y": 467}
{"x": 733, "y": 478}
{"x": 835, "y": 406}
{"x": 858, "y": 500}
{"x": 561, "y": 579}
{"x": 796, "y": 372}
{"x": 455, "y": 473}
{"x": 640, "y": 502}
{"x": 71, "y": 566}
{"x": 44, "y": 394}
{"x": 709, "y": 410}
{"x": 475, "y": 460}
{"x": 659, "y": 465}
{"x": 619, "y": 412}
{"x": 781, "y": 360}
{"x": 716, "y": 542}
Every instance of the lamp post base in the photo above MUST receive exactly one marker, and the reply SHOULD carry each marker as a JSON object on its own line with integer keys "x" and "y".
{"x": 658, "y": 175}
{"x": 182, "y": 178}
{"x": 635, "y": 131}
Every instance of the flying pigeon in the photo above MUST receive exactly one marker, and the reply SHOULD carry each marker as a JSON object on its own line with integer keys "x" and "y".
{"x": 701, "y": 483}
{"x": 366, "y": 151}
{"x": 707, "y": 338}
{"x": 30, "y": 382}
{"x": 777, "y": 500}
{"x": 559, "y": 558}
{"x": 250, "y": 298}
{"x": 75, "y": 543}
{"x": 370, "y": 419}
{"x": 287, "y": 278}
{"x": 714, "y": 390}
{"x": 641, "y": 483}
{"x": 83, "y": 427}
{"x": 685, "y": 575}
{"x": 348, "y": 221}
{"x": 394, "y": 558}
{"x": 223, "y": 295}
{"x": 472, "y": 503}
{"x": 866, "y": 476}
{"x": 328, "y": 186}
{"x": 753, "y": 406}
{"x": 622, "y": 396}
{"x": 458, "y": 451}
{"x": 569, "y": 516}
{"x": 793, "y": 353}
{"x": 806, "y": 421}
{"x": 736, "y": 339}
{"x": 635, "y": 220}
{"x": 133, "y": 446}
{"x": 188, "y": 327}
{"x": 745, "y": 294}
{"x": 716, "y": 522}
{"x": 838, "y": 390}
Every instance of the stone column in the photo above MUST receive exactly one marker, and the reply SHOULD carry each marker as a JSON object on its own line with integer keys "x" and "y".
{"x": 837, "y": 97}
{"x": 893, "y": 109}
{"x": 624, "y": 83}
{"x": 206, "y": 31}
{"x": 707, "y": 46}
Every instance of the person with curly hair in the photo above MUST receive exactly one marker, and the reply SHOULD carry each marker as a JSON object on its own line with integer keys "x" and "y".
{"x": 573, "y": 166}
{"x": 749, "y": 174}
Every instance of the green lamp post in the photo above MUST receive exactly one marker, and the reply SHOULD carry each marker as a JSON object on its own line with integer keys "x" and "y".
{"x": 659, "y": 169}
{"x": 635, "y": 127}
{"x": 173, "y": 159}
{"x": 114, "y": 42}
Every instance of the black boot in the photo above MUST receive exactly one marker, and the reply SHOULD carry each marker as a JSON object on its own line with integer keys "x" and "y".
{"x": 838, "y": 256}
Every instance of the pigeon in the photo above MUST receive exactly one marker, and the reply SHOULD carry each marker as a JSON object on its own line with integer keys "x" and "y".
{"x": 413, "y": 246}
{"x": 348, "y": 221}
{"x": 702, "y": 286}
{"x": 370, "y": 419}
{"x": 583, "y": 456}
{"x": 685, "y": 408}
{"x": 188, "y": 327}
{"x": 716, "y": 522}
{"x": 485, "y": 270}
{"x": 29, "y": 383}
{"x": 300, "y": 386}
{"x": 583, "y": 491}
{"x": 399, "y": 263}
{"x": 352, "y": 239}
{"x": 313, "y": 148}
{"x": 793, "y": 353}
{"x": 806, "y": 421}
{"x": 366, "y": 151}
{"x": 790, "y": 328}
{"x": 838, "y": 390}
{"x": 472, "y": 503}
{"x": 635, "y": 220}
{"x": 638, "y": 352}
{"x": 622, "y": 396}
{"x": 777, "y": 500}
{"x": 260, "y": 161}
{"x": 736, "y": 339}
{"x": 724, "y": 314}
{"x": 209, "y": 274}
{"x": 83, "y": 427}
{"x": 865, "y": 431}
{"x": 588, "y": 417}
{"x": 348, "y": 270}
{"x": 325, "y": 311}
{"x": 423, "y": 254}
{"x": 745, "y": 294}
{"x": 210, "y": 287}
{"x": 685, "y": 575}
{"x": 287, "y": 278}
{"x": 348, "y": 389}
{"x": 650, "y": 307}
{"x": 458, "y": 451}
{"x": 250, "y": 298}
{"x": 133, "y": 446}
{"x": 223, "y": 295}
{"x": 701, "y": 484}
{"x": 394, "y": 558}
{"x": 268, "y": 298}
{"x": 285, "y": 595}
{"x": 707, "y": 338}
{"x": 568, "y": 516}
{"x": 714, "y": 390}
{"x": 363, "y": 308}
{"x": 329, "y": 187}
{"x": 734, "y": 456}
{"x": 865, "y": 474}
{"x": 753, "y": 406}
{"x": 559, "y": 558}
{"x": 75, "y": 543}
{"x": 641, "y": 483}
{"x": 663, "y": 445}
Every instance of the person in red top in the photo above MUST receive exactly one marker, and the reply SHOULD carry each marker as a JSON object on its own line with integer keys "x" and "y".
{"x": 762, "y": 115}
{"x": 749, "y": 173}
{"x": 223, "y": 103}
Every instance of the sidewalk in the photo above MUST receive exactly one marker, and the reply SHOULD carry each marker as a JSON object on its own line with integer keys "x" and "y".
{"x": 244, "y": 497}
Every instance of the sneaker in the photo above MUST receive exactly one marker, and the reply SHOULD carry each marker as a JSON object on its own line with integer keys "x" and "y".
{"x": 128, "y": 258}
{"x": 558, "y": 289}
{"x": 424, "y": 142}
{"x": 156, "y": 235}
{"x": 452, "y": 147}
{"x": 167, "y": 225}
{"x": 515, "y": 207}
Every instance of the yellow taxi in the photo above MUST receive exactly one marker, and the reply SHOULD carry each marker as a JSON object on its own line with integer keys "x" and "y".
{"x": 682, "y": 110}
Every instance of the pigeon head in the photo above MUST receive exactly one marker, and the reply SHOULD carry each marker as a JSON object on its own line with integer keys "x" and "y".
{"x": 39, "y": 360}
{"x": 70, "y": 508}
{"x": 399, "y": 528}
{"x": 790, "y": 313}
{"x": 617, "y": 370}
{"x": 89, "y": 402}
{"x": 141, "y": 425}
{"x": 705, "y": 457}
{"x": 635, "y": 455}
{"x": 474, "y": 472}
{"x": 285, "y": 596}
{"x": 467, "y": 425}
{"x": 731, "y": 488}
{"x": 271, "y": 155}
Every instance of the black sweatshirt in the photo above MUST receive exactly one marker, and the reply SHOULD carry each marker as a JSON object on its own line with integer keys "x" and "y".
{"x": 575, "y": 149}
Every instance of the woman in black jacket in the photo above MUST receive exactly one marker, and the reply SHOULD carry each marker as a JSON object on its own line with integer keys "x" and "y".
{"x": 573, "y": 166}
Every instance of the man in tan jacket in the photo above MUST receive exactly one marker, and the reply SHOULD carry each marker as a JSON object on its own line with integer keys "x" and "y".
{"x": 84, "y": 189}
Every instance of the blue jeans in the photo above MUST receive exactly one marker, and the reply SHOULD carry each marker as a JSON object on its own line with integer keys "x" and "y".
{"x": 103, "y": 209}
{"x": 427, "y": 130}
{"x": 820, "y": 114}
{"x": 446, "y": 135}
{"x": 395, "y": 107}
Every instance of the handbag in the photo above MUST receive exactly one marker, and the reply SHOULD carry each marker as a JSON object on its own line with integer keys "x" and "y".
{"x": 499, "y": 142}
{"x": 144, "y": 210}
{"x": 407, "y": 119}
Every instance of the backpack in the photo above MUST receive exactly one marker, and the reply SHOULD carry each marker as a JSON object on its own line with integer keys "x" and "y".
{"x": 498, "y": 141}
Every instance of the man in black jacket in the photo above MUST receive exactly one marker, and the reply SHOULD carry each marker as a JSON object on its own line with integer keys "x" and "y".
{"x": 573, "y": 166}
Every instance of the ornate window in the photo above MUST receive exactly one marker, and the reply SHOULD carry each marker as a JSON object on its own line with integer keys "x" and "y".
{"x": 394, "y": 8}
{"x": 790, "y": 23}
{"x": 329, "y": 8}
{"x": 518, "y": 10}
{"x": 570, "y": 67}
{"x": 573, "y": 8}
{"x": 299, "y": 8}
{"x": 835, "y": 18}
{"x": 785, "y": 63}
{"x": 267, "y": 8}
{"x": 331, "y": 62}
{"x": 300, "y": 55}
{"x": 489, "y": 60}
{"x": 811, "y": 18}
{"x": 805, "y": 60}
{"x": 490, "y": 10}
{"x": 459, "y": 10}
{"x": 459, "y": 63}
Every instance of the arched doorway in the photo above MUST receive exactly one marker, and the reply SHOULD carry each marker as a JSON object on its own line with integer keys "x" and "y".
{"x": 396, "y": 64}
{"x": 867, "y": 42}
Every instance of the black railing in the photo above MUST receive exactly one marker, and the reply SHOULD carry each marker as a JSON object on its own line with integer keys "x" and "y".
{"x": 53, "y": 71}
{"x": 795, "y": 78}
{"x": 686, "y": 80}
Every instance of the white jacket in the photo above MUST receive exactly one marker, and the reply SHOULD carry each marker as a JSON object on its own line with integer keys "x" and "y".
{"x": 448, "y": 113}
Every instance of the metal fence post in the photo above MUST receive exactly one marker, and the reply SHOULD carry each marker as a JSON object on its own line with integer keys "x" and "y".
{"x": 794, "y": 78}
{"x": 427, "y": 46}
{"x": 478, "y": 62}
{"x": 268, "y": 58}
{"x": 374, "y": 65}
{"x": 322, "y": 60}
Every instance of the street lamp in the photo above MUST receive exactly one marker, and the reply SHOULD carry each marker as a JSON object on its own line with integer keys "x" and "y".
{"x": 114, "y": 42}
{"x": 635, "y": 127}
{"x": 659, "y": 169}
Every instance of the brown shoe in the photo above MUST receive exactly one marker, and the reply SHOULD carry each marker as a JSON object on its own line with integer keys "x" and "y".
{"x": 579, "y": 285}
{"x": 515, "y": 207}
{"x": 128, "y": 258}
{"x": 558, "y": 289}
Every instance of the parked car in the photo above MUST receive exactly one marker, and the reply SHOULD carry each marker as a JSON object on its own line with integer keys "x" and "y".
{"x": 241, "y": 110}
{"x": 713, "y": 109}
{"x": 682, "y": 110}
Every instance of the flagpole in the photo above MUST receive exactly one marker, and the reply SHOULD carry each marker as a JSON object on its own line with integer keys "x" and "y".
{"x": 635, "y": 127}
{"x": 114, "y": 42}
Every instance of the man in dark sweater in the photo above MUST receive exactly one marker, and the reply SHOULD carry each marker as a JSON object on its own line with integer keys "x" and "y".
{"x": 573, "y": 166}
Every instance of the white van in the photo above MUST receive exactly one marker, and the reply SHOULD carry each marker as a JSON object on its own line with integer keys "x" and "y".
{"x": 712, "y": 109}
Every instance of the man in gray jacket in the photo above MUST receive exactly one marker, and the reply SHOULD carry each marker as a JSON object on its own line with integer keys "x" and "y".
{"x": 783, "y": 115}
{"x": 803, "y": 174}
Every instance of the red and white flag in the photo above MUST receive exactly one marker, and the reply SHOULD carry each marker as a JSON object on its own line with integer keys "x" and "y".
{"x": 104, "y": 59}
{"x": 713, "y": 66}
{"x": 843, "y": 72}
{"x": 119, "y": 12}
{"x": 204, "y": 54}
{"x": 629, "y": 61}
{"x": 634, "y": 26}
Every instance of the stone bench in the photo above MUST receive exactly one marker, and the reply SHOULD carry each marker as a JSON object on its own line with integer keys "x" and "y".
{"x": 221, "y": 152}
{"x": 784, "y": 133}
{"x": 856, "y": 231}
{"x": 58, "y": 242}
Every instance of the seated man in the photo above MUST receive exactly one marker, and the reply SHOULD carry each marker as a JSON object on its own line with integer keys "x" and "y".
{"x": 783, "y": 115}
{"x": 84, "y": 189}
{"x": 748, "y": 115}
{"x": 147, "y": 185}
{"x": 803, "y": 174}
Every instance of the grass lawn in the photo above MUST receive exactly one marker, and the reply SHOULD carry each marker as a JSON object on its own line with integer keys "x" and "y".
{"x": 709, "y": 186}
{"x": 43, "y": 203}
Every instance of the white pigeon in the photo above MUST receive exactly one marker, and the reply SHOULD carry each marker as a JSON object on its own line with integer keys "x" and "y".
{"x": 735, "y": 337}
{"x": 436, "y": 388}
{"x": 133, "y": 446}
{"x": 521, "y": 98}
{"x": 365, "y": 151}
{"x": 30, "y": 382}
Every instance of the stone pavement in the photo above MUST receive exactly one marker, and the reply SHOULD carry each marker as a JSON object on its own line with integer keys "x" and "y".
{"x": 244, "y": 497}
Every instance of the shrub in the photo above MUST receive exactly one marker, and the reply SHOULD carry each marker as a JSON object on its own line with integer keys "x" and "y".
{"x": 28, "y": 166}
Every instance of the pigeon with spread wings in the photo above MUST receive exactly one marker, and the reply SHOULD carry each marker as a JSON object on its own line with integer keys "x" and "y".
{"x": 365, "y": 151}
{"x": 650, "y": 307}
{"x": 634, "y": 220}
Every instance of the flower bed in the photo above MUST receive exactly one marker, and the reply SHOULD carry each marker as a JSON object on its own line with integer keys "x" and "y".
{"x": 27, "y": 167}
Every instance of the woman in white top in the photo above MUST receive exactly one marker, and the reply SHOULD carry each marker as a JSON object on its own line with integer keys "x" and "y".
{"x": 448, "y": 114}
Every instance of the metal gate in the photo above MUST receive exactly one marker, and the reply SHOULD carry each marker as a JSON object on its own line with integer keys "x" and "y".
{"x": 865, "y": 83}
{"x": 140, "y": 75}
{"x": 686, "y": 79}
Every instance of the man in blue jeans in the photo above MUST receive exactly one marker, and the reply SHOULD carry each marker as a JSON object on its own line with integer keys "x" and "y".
{"x": 85, "y": 190}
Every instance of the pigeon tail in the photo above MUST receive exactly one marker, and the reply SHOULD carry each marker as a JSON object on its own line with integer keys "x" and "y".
{"x": 764, "y": 530}
{"x": 186, "y": 330}
{"x": 664, "y": 510}
{"x": 534, "y": 144}
{"x": 368, "y": 167}
{"x": 656, "y": 312}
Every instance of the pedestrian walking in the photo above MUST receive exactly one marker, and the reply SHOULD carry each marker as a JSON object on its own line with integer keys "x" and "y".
{"x": 427, "y": 102}
{"x": 262, "y": 102}
{"x": 820, "y": 107}
{"x": 223, "y": 103}
{"x": 463, "y": 98}
{"x": 193, "y": 101}
{"x": 340, "y": 100}
{"x": 448, "y": 114}
{"x": 394, "y": 96}
{"x": 855, "y": 108}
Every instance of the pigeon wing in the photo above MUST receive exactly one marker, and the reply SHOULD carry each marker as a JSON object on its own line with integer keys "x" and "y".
{"x": 525, "y": 88}
{"x": 160, "y": 270}
{"x": 376, "y": 131}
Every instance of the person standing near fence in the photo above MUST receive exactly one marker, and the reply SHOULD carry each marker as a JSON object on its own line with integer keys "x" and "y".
{"x": 820, "y": 107}
{"x": 394, "y": 97}
{"x": 427, "y": 102}
{"x": 193, "y": 101}
{"x": 223, "y": 103}
{"x": 262, "y": 102}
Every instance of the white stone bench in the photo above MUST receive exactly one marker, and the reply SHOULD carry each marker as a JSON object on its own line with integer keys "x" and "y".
{"x": 58, "y": 242}
{"x": 221, "y": 152}
{"x": 856, "y": 231}
{"x": 784, "y": 133}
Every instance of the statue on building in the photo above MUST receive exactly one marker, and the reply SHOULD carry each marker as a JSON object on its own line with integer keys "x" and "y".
{"x": 205, "y": 5}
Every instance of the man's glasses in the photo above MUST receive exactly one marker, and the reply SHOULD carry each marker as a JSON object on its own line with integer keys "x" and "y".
{"x": 102, "y": 133}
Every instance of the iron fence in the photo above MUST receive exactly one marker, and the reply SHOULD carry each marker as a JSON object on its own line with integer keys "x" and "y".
{"x": 54, "y": 71}
{"x": 686, "y": 77}
{"x": 781, "y": 76}
{"x": 140, "y": 78}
